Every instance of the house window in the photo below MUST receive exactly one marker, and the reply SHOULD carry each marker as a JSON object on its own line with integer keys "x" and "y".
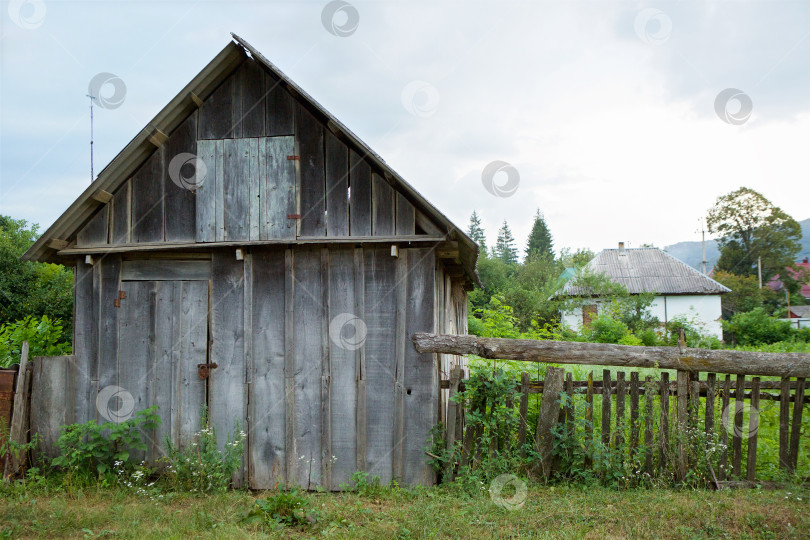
{"x": 588, "y": 314}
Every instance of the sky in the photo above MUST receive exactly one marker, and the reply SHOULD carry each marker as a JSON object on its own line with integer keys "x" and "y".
{"x": 620, "y": 121}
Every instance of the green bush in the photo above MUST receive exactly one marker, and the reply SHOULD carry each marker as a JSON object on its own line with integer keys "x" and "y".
{"x": 755, "y": 327}
{"x": 44, "y": 337}
{"x": 605, "y": 329}
{"x": 287, "y": 507}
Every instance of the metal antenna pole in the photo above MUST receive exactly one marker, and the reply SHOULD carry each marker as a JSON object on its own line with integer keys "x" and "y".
{"x": 91, "y": 137}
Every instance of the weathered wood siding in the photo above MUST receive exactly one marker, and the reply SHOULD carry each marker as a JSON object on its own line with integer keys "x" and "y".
{"x": 451, "y": 318}
{"x": 273, "y": 170}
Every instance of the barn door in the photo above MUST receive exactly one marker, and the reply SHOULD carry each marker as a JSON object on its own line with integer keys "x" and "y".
{"x": 163, "y": 335}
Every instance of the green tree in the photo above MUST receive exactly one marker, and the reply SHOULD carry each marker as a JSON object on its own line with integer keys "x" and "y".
{"x": 751, "y": 227}
{"x": 540, "y": 243}
{"x": 476, "y": 232}
{"x": 745, "y": 294}
{"x": 505, "y": 245}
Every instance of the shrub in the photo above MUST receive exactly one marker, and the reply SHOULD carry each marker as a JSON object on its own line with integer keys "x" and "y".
{"x": 755, "y": 327}
{"x": 606, "y": 329}
{"x": 44, "y": 337}
{"x": 287, "y": 507}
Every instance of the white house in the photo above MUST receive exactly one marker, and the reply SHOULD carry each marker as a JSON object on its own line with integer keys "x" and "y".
{"x": 680, "y": 290}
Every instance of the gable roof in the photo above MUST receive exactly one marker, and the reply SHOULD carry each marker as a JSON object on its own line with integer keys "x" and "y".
{"x": 649, "y": 270}
{"x": 134, "y": 154}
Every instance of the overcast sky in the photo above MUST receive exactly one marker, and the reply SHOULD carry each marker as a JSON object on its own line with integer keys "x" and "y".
{"x": 605, "y": 110}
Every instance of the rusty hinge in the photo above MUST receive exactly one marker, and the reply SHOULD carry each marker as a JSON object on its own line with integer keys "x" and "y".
{"x": 117, "y": 302}
{"x": 204, "y": 370}
{"x": 293, "y": 158}
{"x": 122, "y": 294}
{"x": 293, "y": 216}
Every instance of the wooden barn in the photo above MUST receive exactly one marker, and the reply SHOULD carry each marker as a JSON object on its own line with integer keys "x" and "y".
{"x": 248, "y": 253}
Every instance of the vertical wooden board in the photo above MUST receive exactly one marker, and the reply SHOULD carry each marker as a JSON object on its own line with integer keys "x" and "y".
{"x": 219, "y": 194}
{"x": 48, "y": 411}
{"x": 216, "y": 113}
{"x": 524, "y": 411}
{"x": 312, "y": 186}
{"x": 251, "y": 87}
{"x": 360, "y": 360}
{"x": 722, "y": 462}
{"x": 254, "y": 188}
{"x": 405, "y": 214}
{"x": 346, "y": 332}
{"x": 753, "y": 429}
{"x": 279, "y": 202}
{"x": 308, "y": 315}
{"x": 621, "y": 399}
{"x": 398, "y": 429}
{"x": 110, "y": 270}
{"x": 683, "y": 421}
{"x": 85, "y": 341}
{"x": 736, "y": 439}
{"x": 380, "y": 319}
{"x": 784, "y": 423}
{"x": 147, "y": 200}
{"x": 663, "y": 427}
{"x": 291, "y": 457}
{"x": 421, "y": 381}
{"x": 166, "y": 302}
{"x": 360, "y": 198}
{"x": 206, "y": 193}
{"x": 634, "y": 403}
{"x": 226, "y": 384}
{"x": 337, "y": 187}
{"x": 179, "y": 205}
{"x": 266, "y": 401}
{"x": 236, "y": 189}
{"x": 606, "y": 389}
{"x": 711, "y": 380}
{"x": 549, "y": 416}
{"x": 135, "y": 358}
{"x": 795, "y": 430}
{"x": 279, "y": 107}
{"x": 382, "y": 206}
{"x": 649, "y": 394}
{"x": 326, "y": 376}
{"x": 191, "y": 316}
{"x": 95, "y": 232}
{"x": 121, "y": 218}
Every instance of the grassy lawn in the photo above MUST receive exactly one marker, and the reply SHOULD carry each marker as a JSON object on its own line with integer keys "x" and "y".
{"x": 445, "y": 512}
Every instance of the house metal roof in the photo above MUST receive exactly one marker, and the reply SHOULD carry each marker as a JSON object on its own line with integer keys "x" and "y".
{"x": 651, "y": 270}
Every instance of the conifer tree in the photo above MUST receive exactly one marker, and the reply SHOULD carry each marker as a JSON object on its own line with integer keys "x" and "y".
{"x": 505, "y": 245}
{"x": 540, "y": 243}
{"x": 476, "y": 232}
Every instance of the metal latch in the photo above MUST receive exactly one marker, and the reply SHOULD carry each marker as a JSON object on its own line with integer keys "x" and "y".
{"x": 204, "y": 370}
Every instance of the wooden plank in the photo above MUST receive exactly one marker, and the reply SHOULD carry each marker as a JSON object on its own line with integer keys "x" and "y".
{"x": 95, "y": 232}
{"x": 360, "y": 360}
{"x": 219, "y": 194}
{"x": 795, "y": 431}
{"x": 589, "y": 420}
{"x": 605, "y": 408}
{"x": 279, "y": 108}
{"x": 167, "y": 300}
{"x": 18, "y": 430}
{"x": 165, "y": 270}
{"x": 267, "y": 392}
{"x": 477, "y": 405}
{"x": 251, "y": 81}
{"x": 380, "y": 319}
{"x": 682, "y": 397}
{"x": 784, "y": 424}
{"x": 663, "y": 437}
{"x": 216, "y": 113}
{"x": 360, "y": 197}
{"x": 561, "y": 352}
{"x": 382, "y": 206}
{"x": 147, "y": 200}
{"x": 401, "y": 290}
{"x": 236, "y": 190}
{"x": 121, "y": 215}
{"x": 312, "y": 186}
{"x": 694, "y": 400}
{"x": 291, "y": 457}
{"x": 452, "y": 418}
{"x": 205, "y": 194}
{"x": 634, "y": 427}
{"x": 621, "y": 402}
{"x": 420, "y": 379}
{"x": 179, "y": 205}
{"x": 548, "y": 417}
{"x": 280, "y": 200}
{"x": 308, "y": 313}
{"x": 569, "y": 405}
{"x": 48, "y": 396}
{"x": 722, "y": 466}
{"x": 405, "y": 216}
{"x": 226, "y": 384}
{"x": 109, "y": 276}
{"x": 524, "y": 411}
{"x": 326, "y": 376}
{"x": 337, "y": 187}
{"x": 739, "y": 403}
{"x": 649, "y": 396}
{"x": 85, "y": 341}
{"x": 102, "y": 196}
{"x": 753, "y": 430}
{"x": 253, "y": 182}
{"x": 708, "y": 423}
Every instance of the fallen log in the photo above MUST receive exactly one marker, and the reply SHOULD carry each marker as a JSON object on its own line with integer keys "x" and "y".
{"x": 605, "y": 354}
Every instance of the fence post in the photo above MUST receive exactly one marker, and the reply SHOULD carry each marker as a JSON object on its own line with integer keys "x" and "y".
{"x": 589, "y": 420}
{"x": 736, "y": 441}
{"x": 606, "y": 408}
{"x": 549, "y": 416}
{"x": 524, "y": 411}
{"x": 18, "y": 430}
{"x": 753, "y": 430}
{"x": 682, "y": 397}
{"x": 784, "y": 424}
{"x": 663, "y": 436}
{"x": 797, "y": 423}
{"x": 455, "y": 379}
{"x": 722, "y": 465}
{"x": 649, "y": 396}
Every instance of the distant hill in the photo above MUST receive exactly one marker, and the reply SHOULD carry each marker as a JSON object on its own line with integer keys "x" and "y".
{"x": 690, "y": 252}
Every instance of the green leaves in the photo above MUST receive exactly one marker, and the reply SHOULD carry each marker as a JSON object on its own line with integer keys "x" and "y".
{"x": 44, "y": 337}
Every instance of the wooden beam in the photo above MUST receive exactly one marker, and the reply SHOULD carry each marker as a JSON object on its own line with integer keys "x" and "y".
{"x": 448, "y": 250}
{"x": 158, "y": 138}
{"x": 561, "y": 352}
{"x": 58, "y": 243}
{"x": 102, "y": 196}
{"x": 196, "y": 99}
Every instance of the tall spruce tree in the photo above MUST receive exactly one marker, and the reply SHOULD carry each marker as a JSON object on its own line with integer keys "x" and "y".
{"x": 540, "y": 243}
{"x": 476, "y": 232}
{"x": 505, "y": 245}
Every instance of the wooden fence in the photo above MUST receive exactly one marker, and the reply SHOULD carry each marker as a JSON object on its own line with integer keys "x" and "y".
{"x": 663, "y": 415}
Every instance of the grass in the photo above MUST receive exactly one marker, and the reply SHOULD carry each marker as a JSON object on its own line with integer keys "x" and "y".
{"x": 442, "y": 512}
